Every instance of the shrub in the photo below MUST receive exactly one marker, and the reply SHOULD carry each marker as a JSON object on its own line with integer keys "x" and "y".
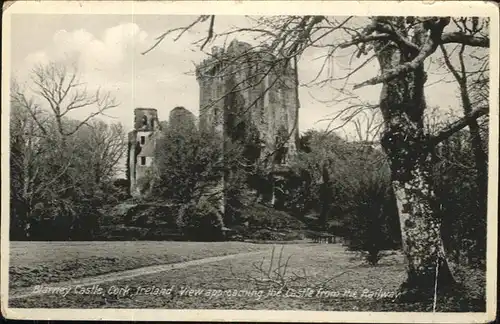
{"x": 163, "y": 234}
{"x": 266, "y": 235}
{"x": 260, "y": 216}
{"x": 121, "y": 233}
{"x": 200, "y": 222}
{"x": 292, "y": 236}
{"x": 371, "y": 227}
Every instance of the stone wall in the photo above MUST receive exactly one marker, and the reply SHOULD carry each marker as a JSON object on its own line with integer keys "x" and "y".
{"x": 256, "y": 87}
{"x": 181, "y": 119}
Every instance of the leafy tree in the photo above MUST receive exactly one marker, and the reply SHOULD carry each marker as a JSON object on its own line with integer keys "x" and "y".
{"x": 356, "y": 194}
{"x": 322, "y": 169}
{"x": 372, "y": 225}
{"x": 189, "y": 159}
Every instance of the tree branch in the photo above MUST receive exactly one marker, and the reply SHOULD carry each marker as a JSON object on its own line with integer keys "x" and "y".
{"x": 426, "y": 51}
{"x": 210, "y": 32}
{"x": 461, "y": 38}
{"x": 456, "y": 126}
{"x": 434, "y": 39}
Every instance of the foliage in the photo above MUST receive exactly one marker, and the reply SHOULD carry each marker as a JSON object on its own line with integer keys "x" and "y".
{"x": 266, "y": 235}
{"x": 372, "y": 227}
{"x": 149, "y": 215}
{"x": 189, "y": 159}
{"x": 463, "y": 229}
{"x": 318, "y": 150}
{"x": 200, "y": 222}
{"x": 260, "y": 216}
{"x": 236, "y": 195}
{"x": 121, "y": 187}
{"x": 353, "y": 190}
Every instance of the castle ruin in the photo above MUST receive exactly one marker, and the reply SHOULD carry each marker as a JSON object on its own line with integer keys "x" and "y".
{"x": 141, "y": 148}
{"x": 249, "y": 86}
{"x": 240, "y": 87}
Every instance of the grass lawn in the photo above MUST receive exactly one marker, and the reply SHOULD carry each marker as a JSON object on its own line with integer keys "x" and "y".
{"x": 34, "y": 263}
{"x": 346, "y": 282}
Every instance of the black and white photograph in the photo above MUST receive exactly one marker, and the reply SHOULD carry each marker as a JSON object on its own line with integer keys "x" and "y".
{"x": 331, "y": 161}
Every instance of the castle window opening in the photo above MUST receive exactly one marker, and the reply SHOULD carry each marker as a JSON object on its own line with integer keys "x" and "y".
{"x": 216, "y": 112}
{"x": 143, "y": 140}
{"x": 144, "y": 120}
{"x": 143, "y": 160}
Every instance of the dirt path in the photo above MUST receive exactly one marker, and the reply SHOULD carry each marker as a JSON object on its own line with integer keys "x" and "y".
{"x": 26, "y": 292}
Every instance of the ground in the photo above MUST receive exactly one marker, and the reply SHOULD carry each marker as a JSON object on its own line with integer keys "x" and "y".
{"x": 35, "y": 262}
{"x": 318, "y": 277}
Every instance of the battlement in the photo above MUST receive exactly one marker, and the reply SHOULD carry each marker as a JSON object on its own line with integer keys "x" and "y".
{"x": 237, "y": 56}
{"x": 145, "y": 119}
{"x": 145, "y": 109}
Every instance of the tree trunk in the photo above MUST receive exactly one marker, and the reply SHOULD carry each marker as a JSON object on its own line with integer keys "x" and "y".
{"x": 481, "y": 196}
{"x": 481, "y": 166}
{"x": 480, "y": 156}
{"x": 420, "y": 229}
{"x": 402, "y": 104}
{"x": 325, "y": 198}
{"x": 481, "y": 163}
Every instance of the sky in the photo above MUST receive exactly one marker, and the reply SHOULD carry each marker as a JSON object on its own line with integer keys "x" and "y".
{"x": 107, "y": 50}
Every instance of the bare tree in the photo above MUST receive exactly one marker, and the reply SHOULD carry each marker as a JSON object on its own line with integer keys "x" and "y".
{"x": 46, "y": 156}
{"x": 105, "y": 145}
{"x": 64, "y": 92}
{"x": 27, "y": 155}
{"x": 367, "y": 126}
{"x": 466, "y": 77}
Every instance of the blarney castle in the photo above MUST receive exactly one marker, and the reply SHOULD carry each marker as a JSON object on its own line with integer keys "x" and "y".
{"x": 239, "y": 85}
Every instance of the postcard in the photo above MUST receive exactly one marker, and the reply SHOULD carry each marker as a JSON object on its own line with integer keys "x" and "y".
{"x": 278, "y": 161}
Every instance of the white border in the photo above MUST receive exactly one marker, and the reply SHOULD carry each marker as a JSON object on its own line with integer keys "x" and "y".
{"x": 334, "y": 8}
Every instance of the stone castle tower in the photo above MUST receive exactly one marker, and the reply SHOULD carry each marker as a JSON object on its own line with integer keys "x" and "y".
{"x": 141, "y": 148}
{"x": 181, "y": 118}
{"x": 241, "y": 85}
{"x": 142, "y": 145}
